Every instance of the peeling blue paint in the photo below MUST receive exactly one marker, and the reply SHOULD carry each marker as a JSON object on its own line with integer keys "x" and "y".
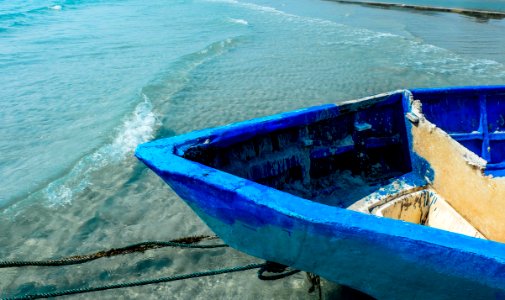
{"x": 473, "y": 116}
{"x": 419, "y": 165}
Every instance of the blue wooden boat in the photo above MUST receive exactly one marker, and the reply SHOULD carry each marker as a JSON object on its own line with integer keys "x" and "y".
{"x": 399, "y": 195}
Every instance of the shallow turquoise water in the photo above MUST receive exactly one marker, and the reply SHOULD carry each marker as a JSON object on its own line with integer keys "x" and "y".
{"x": 83, "y": 82}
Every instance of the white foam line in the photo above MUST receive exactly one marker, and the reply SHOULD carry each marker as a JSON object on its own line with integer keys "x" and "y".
{"x": 271, "y": 10}
{"x": 136, "y": 129}
{"x": 366, "y": 36}
{"x": 238, "y": 21}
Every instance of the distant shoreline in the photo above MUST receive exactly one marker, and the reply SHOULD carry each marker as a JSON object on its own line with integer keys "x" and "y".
{"x": 463, "y": 11}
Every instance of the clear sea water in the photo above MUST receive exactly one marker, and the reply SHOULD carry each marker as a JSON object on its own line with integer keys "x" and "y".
{"x": 82, "y": 83}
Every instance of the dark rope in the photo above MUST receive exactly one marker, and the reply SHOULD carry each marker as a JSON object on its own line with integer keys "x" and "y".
{"x": 137, "y": 283}
{"x": 186, "y": 242}
{"x": 273, "y": 267}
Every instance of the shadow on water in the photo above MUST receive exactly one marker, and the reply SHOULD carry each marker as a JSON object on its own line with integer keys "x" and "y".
{"x": 343, "y": 292}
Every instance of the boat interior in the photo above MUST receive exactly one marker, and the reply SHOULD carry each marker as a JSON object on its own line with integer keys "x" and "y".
{"x": 431, "y": 157}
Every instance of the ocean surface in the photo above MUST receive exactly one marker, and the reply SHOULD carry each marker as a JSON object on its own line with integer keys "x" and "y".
{"x": 82, "y": 83}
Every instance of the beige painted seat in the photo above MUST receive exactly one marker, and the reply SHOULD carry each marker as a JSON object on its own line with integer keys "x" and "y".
{"x": 427, "y": 208}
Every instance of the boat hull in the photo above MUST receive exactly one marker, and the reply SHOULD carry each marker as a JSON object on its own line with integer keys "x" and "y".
{"x": 384, "y": 262}
{"x": 385, "y": 258}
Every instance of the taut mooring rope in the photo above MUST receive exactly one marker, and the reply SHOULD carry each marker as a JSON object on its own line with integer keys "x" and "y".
{"x": 186, "y": 242}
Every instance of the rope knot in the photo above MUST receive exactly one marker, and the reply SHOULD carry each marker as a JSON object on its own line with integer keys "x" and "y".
{"x": 273, "y": 267}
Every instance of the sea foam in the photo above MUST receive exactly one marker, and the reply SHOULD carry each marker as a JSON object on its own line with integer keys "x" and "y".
{"x": 139, "y": 127}
{"x": 238, "y": 21}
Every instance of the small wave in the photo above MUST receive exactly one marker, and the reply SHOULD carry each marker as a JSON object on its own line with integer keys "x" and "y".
{"x": 363, "y": 35}
{"x": 434, "y": 60}
{"x": 223, "y": 1}
{"x": 252, "y": 6}
{"x": 192, "y": 60}
{"x": 160, "y": 91}
{"x": 136, "y": 129}
{"x": 211, "y": 51}
{"x": 265, "y": 9}
{"x": 369, "y": 36}
{"x": 140, "y": 126}
{"x": 10, "y": 16}
{"x": 56, "y": 7}
{"x": 274, "y": 11}
{"x": 22, "y": 18}
{"x": 23, "y": 14}
{"x": 238, "y": 21}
